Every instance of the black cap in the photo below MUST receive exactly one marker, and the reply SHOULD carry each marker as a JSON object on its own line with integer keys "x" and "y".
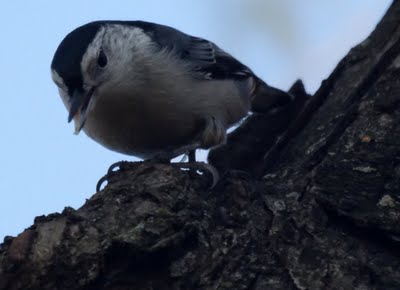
{"x": 67, "y": 59}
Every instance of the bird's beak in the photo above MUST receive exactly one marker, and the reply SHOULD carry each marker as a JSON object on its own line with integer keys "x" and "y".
{"x": 78, "y": 109}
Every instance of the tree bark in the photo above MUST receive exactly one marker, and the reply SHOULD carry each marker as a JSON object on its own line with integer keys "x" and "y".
{"x": 318, "y": 208}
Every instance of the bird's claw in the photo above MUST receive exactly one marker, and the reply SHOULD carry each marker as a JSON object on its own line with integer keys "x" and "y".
{"x": 110, "y": 172}
{"x": 123, "y": 165}
{"x": 115, "y": 165}
{"x": 101, "y": 181}
{"x": 205, "y": 167}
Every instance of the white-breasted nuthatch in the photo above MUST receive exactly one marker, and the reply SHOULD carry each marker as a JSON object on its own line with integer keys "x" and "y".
{"x": 151, "y": 91}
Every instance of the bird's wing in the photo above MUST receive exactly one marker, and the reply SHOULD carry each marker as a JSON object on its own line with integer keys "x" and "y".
{"x": 211, "y": 62}
{"x": 206, "y": 59}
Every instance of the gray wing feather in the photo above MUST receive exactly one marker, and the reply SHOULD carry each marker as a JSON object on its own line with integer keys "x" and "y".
{"x": 207, "y": 60}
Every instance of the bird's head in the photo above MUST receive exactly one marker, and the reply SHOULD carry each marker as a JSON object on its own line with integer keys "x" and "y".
{"x": 94, "y": 61}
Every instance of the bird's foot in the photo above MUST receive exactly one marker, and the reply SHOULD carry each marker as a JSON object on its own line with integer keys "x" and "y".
{"x": 192, "y": 165}
{"x": 128, "y": 165}
{"x": 112, "y": 170}
{"x": 117, "y": 166}
{"x": 200, "y": 166}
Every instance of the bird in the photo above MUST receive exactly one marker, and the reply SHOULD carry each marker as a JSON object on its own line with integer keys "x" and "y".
{"x": 151, "y": 91}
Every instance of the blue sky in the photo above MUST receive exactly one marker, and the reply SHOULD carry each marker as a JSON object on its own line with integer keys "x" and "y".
{"x": 44, "y": 167}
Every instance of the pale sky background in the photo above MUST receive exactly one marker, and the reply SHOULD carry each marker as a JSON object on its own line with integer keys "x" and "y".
{"x": 44, "y": 167}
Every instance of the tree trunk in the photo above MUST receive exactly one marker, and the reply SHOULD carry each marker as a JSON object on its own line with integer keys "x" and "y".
{"x": 320, "y": 209}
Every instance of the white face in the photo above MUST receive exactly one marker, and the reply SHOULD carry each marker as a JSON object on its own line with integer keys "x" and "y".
{"x": 120, "y": 45}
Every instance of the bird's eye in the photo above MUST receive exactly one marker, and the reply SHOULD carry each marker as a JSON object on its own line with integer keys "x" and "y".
{"x": 102, "y": 59}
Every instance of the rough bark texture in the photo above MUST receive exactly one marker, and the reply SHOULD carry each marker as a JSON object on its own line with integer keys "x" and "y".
{"x": 324, "y": 215}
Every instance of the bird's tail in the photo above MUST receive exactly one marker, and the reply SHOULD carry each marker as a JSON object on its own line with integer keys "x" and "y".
{"x": 266, "y": 98}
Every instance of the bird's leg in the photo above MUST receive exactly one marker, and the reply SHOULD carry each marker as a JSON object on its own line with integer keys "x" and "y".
{"x": 192, "y": 156}
{"x": 166, "y": 156}
{"x": 212, "y": 134}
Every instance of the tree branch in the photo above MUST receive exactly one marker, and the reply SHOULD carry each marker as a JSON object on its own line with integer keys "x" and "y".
{"x": 323, "y": 215}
